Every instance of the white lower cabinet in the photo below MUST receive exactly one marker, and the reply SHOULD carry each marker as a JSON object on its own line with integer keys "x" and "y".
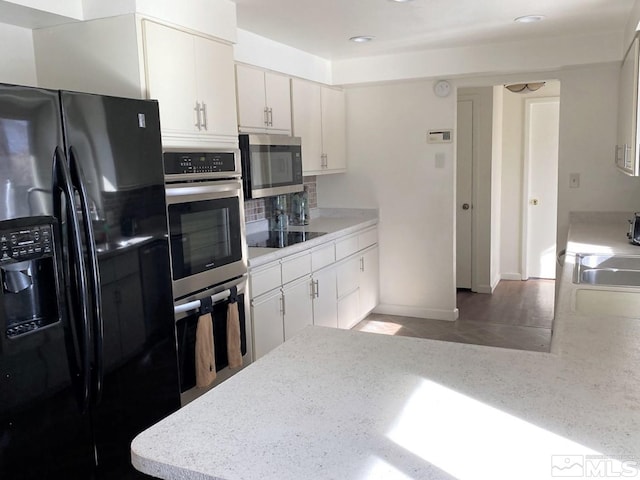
{"x": 332, "y": 285}
{"x": 325, "y": 299}
{"x": 348, "y": 308}
{"x": 266, "y": 321}
{"x": 297, "y": 305}
{"x": 369, "y": 281}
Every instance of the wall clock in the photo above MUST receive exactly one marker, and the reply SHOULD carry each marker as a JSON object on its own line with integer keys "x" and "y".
{"x": 442, "y": 88}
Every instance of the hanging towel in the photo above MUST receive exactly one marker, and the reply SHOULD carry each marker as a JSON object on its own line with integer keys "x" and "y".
{"x": 205, "y": 354}
{"x": 234, "y": 355}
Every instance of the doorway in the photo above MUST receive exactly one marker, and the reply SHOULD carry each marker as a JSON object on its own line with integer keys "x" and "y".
{"x": 502, "y": 231}
{"x": 542, "y": 118}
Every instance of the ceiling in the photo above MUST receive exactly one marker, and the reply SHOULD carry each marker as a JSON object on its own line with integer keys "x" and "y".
{"x": 323, "y": 27}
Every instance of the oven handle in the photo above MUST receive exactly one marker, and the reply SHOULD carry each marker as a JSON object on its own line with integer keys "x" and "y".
{"x": 195, "y": 305}
{"x": 181, "y": 190}
{"x": 240, "y": 287}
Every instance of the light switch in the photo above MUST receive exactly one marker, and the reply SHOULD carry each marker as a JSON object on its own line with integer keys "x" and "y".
{"x": 574, "y": 180}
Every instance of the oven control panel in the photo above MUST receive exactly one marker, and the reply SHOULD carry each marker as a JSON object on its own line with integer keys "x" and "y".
{"x": 199, "y": 163}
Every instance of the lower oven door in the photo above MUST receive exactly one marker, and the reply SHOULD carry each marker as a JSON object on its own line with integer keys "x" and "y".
{"x": 187, "y": 315}
{"x": 206, "y": 232}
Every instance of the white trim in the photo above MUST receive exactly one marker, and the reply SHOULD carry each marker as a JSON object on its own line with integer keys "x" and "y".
{"x": 486, "y": 289}
{"x": 511, "y": 276}
{"x": 417, "y": 312}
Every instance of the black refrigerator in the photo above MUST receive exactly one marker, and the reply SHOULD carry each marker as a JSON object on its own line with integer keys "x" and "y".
{"x": 87, "y": 334}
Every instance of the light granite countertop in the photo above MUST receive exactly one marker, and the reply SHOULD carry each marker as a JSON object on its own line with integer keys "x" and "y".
{"x": 336, "y": 404}
{"x": 333, "y": 222}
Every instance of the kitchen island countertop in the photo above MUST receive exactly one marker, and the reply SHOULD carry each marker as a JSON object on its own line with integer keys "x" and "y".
{"x": 351, "y": 405}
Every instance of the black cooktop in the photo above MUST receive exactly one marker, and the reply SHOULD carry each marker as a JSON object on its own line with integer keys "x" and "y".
{"x": 277, "y": 239}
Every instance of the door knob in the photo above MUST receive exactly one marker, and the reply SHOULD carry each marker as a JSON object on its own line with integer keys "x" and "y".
{"x": 465, "y": 206}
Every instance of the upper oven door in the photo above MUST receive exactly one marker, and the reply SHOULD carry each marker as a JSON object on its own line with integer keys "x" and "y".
{"x": 206, "y": 233}
{"x": 272, "y": 165}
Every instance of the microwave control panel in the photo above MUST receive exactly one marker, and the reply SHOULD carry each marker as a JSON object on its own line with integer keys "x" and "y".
{"x": 199, "y": 163}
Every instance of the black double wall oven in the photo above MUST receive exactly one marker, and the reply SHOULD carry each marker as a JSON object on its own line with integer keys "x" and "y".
{"x": 205, "y": 212}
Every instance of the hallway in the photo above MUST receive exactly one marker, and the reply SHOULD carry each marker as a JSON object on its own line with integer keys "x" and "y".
{"x": 518, "y": 315}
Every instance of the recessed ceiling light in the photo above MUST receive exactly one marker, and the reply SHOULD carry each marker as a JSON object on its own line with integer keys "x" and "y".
{"x": 401, "y": 1}
{"x": 361, "y": 39}
{"x": 529, "y": 19}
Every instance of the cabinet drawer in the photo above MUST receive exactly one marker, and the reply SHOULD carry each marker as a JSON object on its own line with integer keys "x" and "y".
{"x": 295, "y": 267}
{"x": 264, "y": 279}
{"x": 323, "y": 256}
{"x": 346, "y": 246}
{"x": 367, "y": 238}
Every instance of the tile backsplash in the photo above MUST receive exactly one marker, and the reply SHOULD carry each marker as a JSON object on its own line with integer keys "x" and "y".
{"x": 259, "y": 209}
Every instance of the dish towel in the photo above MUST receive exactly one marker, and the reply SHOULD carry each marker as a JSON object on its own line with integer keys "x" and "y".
{"x": 205, "y": 354}
{"x": 234, "y": 355}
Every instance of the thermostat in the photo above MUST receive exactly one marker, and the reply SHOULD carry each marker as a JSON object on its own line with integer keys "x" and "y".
{"x": 440, "y": 136}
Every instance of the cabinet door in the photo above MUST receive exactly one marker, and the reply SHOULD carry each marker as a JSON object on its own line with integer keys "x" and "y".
{"x": 307, "y": 123}
{"x": 278, "y": 101}
{"x": 369, "y": 281}
{"x": 266, "y": 317}
{"x": 348, "y": 275}
{"x": 334, "y": 130}
{"x": 171, "y": 74}
{"x": 325, "y": 303}
{"x": 348, "y": 310}
{"x": 298, "y": 309}
{"x": 216, "y": 87}
{"x": 251, "y": 98}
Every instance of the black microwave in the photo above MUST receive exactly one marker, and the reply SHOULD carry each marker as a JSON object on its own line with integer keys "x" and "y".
{"x": 271, "y": 164}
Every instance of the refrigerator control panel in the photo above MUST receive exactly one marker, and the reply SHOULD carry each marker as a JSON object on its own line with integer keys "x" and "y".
{"x": 26, "y": 243}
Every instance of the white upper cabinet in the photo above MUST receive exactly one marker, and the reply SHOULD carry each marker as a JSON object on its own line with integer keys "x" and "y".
{"x": 264, "y": 101}
{"x": 627, "y": 153}
{"x": 191, "y": 75}
{"x": 192, "y": 78}
{"x": 319, "y": 118}
{"x": 334, "y": 139}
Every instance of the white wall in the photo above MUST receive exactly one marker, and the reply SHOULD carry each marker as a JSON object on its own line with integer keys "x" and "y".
{"x": 588, "y": 122}
{"x": 17, "y": 62}
{"x": 391, "y": 167}
{"x": 512, "y": 147}
{"x": 263, "y": 52}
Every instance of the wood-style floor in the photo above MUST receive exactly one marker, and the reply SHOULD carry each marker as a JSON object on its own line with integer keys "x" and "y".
{"x": 518, "y": 315}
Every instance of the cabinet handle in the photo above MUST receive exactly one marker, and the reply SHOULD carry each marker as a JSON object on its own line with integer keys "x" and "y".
{"x": 266, "y": 116}
{"x": 283, "y": 309}
{"x": 324, "y": 163}
{"x": 270, "y": 117}
{"x": 317, "y": 288}
{"x": 197, "y": 110}
{"x": 362, "y": 264}
{"x": 203, "y": 109}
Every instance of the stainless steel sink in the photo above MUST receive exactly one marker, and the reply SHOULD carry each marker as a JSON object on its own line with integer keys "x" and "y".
{"x": 615, "y": 270}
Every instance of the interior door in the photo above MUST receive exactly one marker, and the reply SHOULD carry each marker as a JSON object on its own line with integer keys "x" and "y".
{"x": 464, "y": 191}
{"x": 541, "y": 157}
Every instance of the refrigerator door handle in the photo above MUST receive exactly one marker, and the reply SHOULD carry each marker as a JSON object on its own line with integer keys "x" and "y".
{"x": 62, "y": 187}
{"x": 77, "y": 178}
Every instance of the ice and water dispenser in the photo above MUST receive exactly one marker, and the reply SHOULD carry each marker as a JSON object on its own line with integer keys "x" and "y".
{"x": 29, "y": 275}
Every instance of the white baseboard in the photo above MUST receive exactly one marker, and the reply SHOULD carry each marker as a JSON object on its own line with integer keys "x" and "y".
{"x": 417, "y": 312}
{"x": 511, "y": 276}
{"x": 485, "y": 289}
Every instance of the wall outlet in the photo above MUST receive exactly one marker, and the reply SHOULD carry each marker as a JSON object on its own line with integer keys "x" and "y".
{"x": 574, "y": 180}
